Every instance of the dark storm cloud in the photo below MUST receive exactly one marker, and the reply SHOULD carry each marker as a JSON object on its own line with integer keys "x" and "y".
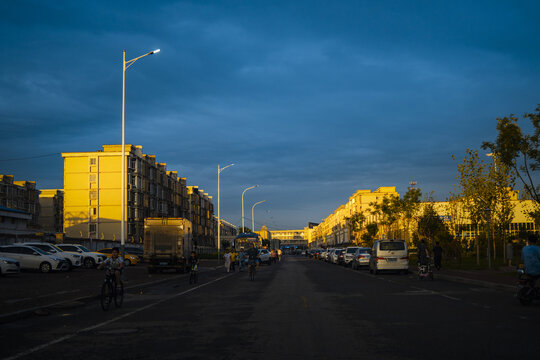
{"x": 312, "y": 100}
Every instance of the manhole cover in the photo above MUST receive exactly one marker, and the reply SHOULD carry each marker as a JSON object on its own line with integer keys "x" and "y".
{"x": 118, "y": 331}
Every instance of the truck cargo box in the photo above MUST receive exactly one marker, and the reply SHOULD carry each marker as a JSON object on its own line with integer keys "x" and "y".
{"x": 167, "y": 243}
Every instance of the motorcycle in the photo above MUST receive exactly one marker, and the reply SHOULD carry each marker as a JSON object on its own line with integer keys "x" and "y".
{"x": 527, "y": 288}
{"x": 425, "y": 271}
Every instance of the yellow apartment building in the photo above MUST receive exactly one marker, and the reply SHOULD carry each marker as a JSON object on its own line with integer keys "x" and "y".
{"x": 334, "y": 231}
{"x": 51, "y": 217}
{"x": 92, "y": 193}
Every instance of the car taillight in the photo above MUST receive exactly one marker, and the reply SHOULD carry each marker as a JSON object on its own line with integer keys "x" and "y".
{"x": 361, "y": 256}
{"x": 404, "y": 258}
{"x": 379, "y": 258}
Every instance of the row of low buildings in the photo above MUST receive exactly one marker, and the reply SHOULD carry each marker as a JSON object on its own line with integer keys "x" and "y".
{"x": 334, "y": 230}
{"x": 89, "y": 205}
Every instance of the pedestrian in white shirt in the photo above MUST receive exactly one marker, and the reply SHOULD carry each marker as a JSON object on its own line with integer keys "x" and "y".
{"x": 227, "y": 258}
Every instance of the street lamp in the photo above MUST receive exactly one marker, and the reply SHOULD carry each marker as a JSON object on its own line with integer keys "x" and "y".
{"x": 253, "y": 215}
{"x": 252, "y": 187}
{"x": 219, "y": 170}
{"x": 125, "y": 66}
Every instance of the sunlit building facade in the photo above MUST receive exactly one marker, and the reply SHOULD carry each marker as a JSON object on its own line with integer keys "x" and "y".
{"x": 51, "y": 217}
{"x": 92, "y": 193}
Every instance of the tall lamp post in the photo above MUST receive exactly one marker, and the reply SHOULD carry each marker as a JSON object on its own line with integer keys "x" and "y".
{"x": 125, "y": 66}
{"x": 219, "y": 170}
{"x": 251, "y": 187}
{"x": 253, "y": 214}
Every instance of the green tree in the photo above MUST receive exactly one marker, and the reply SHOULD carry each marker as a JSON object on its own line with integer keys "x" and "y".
{"x": 409, "y": 207}
{"x": 356, "y": 224}
{"x": 243, "y": 230}
{"x": 430, "y": 225}
{"x": 369, "y": 236}
{"x": 519, "y": 152}
{"x": 388, "y": 211}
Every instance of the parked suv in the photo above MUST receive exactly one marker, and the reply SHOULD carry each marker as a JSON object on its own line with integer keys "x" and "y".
{"x": 349, "y": 254}
{"x": 389, "y": 255}
{"x": 73, "y": 259}
{"x": 90, "y": 258}
{"x": 361, "y": 258}
{"x": 32, "y": 258}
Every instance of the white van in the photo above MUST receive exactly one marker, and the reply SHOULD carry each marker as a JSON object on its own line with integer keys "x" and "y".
{"x": 389, "y": 255}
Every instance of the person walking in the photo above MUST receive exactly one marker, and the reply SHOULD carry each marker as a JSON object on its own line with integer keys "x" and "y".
{"x": 509, "y": 252}
{"x": 227, "y": 258}
{"x": 233, "y": 260}
{"x": 437, "y": 255}
{"x": 240, "y": 259}
{"x": 279, "y": 253}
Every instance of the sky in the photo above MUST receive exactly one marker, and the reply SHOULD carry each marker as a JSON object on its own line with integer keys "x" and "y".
{"x": 312, "y": 100}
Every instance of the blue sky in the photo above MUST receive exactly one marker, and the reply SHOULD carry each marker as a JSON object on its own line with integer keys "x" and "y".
{"x": 310, "y": 99}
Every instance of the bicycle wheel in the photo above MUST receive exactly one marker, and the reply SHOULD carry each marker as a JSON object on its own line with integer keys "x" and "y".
{"x": 119, "y": 295}
{"x": 106, "y": 295}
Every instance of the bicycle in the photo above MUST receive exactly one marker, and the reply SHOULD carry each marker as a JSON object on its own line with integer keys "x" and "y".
{"x": 111, "y": 290}
{"x": 193, "y": 274}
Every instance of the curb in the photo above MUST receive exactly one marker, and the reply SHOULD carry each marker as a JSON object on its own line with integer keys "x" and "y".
{"x": 21, "y": 314}
{"x": 482, "y": 283}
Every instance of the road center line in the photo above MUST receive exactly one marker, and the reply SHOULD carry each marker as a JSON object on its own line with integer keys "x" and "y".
{"x": 93, "y": 327}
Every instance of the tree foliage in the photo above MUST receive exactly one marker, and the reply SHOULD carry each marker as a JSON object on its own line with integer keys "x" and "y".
{"x": 519, "y": 152}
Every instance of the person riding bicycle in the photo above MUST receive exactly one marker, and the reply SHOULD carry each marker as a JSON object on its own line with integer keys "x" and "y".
{"x": 115, "y": 263}
{"x": 423, "y": 255}
{"x": 531, "y": 257}
{"x": 193, "y": 261}
{"x": 252, "y": 254}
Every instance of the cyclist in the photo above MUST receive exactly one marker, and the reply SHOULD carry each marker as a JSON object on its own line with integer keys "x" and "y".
{"x": 115, "y": 263}
{"x": 531, "y": 257}
{"x": 252, "y": 255}
{"x": 193, "y": 261}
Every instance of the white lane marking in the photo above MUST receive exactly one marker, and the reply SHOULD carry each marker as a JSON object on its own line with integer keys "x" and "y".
{"x": 59, "y": 293}
{"x": 438, "y": 293}
{"x": 93, "y": 327}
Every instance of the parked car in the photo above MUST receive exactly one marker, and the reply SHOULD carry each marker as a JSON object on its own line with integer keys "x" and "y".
{"x": 323, "y": 255}
{"x": 73, "y": 259}
{"x": 90, "y": 260}
{"x": 132, "y": 250}
{"x": 348, "y": 255}
{"x": 265, "y": 257}
{"x": 315, "y": 253}
{"x": 32, "y": 258}
{"x": 128, "y": 258}
{"x": 328, "y": 256}
{"x": 337, "y": 256}
{"x": 361, "y": 258}
{"x": 9, "y": 266}
{"x": 389, "y": 255}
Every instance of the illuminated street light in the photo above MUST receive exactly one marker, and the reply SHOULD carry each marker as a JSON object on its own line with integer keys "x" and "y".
{"x": 219, "y": 170}
{"x": 252, "y": 187}
{"x": 253, "y": 215}
{"x": 125, "y": 66}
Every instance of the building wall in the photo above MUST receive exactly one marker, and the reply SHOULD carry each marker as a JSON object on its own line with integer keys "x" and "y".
{"x": 202, "y": 217}
{"x": 51, "y": 218}
{"x": 20, "y": 195}
{"x": 92, "y": 193}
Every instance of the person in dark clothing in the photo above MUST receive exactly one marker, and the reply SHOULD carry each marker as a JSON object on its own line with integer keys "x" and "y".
{"x": 437, "y": 255}
{"x": 422, "y": 253}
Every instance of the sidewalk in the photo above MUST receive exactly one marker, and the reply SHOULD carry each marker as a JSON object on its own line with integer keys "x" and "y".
{"x": 503, "y": 279}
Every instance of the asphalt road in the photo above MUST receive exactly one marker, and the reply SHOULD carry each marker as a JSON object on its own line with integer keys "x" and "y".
{"x": 296, "y": 309}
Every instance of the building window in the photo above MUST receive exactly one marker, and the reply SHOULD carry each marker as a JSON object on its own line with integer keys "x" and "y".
{"x": 92, "y": 228}
{"x": 93, "y": 211}
{"x": 92, "y": 178}
{"x": 93, "y": 161}
{"x": 93, "y": 194}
